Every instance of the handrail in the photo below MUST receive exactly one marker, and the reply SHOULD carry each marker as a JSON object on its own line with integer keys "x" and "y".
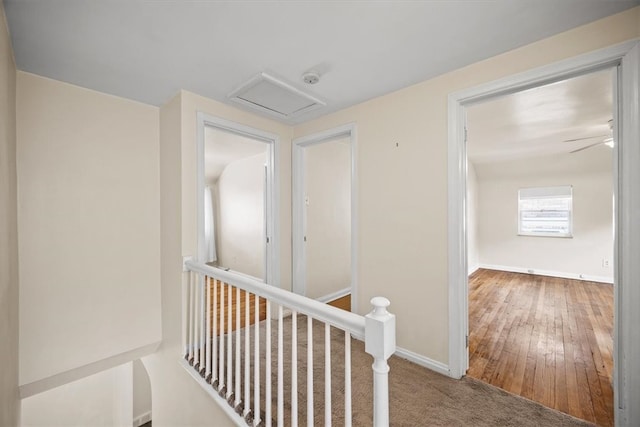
{"x": 328, "y": 314}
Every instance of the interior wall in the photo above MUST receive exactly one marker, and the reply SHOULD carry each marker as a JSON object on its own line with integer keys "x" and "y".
{"x": 328, "y": 214}
{"x": 191, "y": 104}
{"x": 97, "y": 400}
{"x": 141, "y": 393}
{"x": 472, "y": 219}
{"x": 402, "y": 181}
{"x": 89, "y": 230}
{"x": 580, "y": 256}
{"x": 9, "y": 399}
{"x": 241, "y": 233}
{"x": 173, "y": 389}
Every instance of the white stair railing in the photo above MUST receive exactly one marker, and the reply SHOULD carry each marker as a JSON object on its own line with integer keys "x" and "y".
{"x": 219, "y": 349}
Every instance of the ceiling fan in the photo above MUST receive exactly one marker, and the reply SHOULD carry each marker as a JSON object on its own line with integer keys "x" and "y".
{"x": 606, "y": 139}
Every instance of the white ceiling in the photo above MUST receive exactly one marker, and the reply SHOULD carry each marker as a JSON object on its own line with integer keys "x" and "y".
{"x": 148, "y": 50}
{"x": 536, "y": 122}
{"x": 223, "y": 148}
{"x": 598, "y": 159}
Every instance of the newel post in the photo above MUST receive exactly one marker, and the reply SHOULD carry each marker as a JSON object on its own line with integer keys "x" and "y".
{"x": 380, "y": 342}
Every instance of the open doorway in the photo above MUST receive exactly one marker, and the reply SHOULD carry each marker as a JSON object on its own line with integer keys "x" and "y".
{"x": 625, "y": 57}
{"x": 540, "y": 227}
{"x": 323, "y": 221}
{"x": 237, "y": 201}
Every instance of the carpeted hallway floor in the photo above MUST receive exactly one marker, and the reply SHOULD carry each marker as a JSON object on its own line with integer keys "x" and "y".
{"x": 418, "y": 396}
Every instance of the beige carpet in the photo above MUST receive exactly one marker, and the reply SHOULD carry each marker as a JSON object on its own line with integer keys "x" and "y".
{"x": 418, "y": 396}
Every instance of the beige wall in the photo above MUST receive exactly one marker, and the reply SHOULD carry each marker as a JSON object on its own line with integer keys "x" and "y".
{"x": 328, "y": 213}
{"x": 89, "y": 229}
{"x": 172, "y": 388}
{"x": 99, "y": 400}
{"x": 404, "y": 240}
{"x": 240, "y": 233}
{"x": 592, "y": 241}
{"x": 9, "y": 403}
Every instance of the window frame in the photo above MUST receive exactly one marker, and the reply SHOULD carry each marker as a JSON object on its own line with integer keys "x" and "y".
{"x": 546, "y": 193}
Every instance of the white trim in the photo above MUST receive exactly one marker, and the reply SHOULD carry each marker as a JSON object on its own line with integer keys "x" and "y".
{"x": 298, "y": 220}
{"x": 424, "y": 361}
{"x": 549, "y": 273}
{"x": 75, "y": 374}
{"x": 272, "y": 249}
{"x": 627, "y": 234}
{"x": 142, "y": 419}
{"x": 627, "y": 246}
{"x": 473, "y": 268}
{"x": 221, "y": 401}
{"x": 334, "y": 295}
{"x": 416, "y": 358}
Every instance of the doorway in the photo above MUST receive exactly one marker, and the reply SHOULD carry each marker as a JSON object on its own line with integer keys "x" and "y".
{"x": 626, "y": 59}
{"x": 237, "y": 198}
{"x": 540, "y": 244}
{"x": 324, "y": 248}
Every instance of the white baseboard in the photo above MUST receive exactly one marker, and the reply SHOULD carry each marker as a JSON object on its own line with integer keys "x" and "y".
{"x": 473, "y": 269}
{"x": 563, "y": 275}
{"x": 424, "y": 361}
{"x": 142, "y": 419}
{"x": 335, "y": 295}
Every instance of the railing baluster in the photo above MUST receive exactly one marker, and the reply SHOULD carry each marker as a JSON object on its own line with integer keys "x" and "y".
{"x": 256, "y": 364}
{"x": 238, "y": 342}
{"x": 229, "y": 341}
{"x": 203, "y": 345}
{"x": 247, "y": 354}
{"x": 347, "y": 379}
{"x": 185, "y": 316}
{"x": 309, "y": 371}
{"x": 267, "y": 367}
{"x": 294, "y": 369}
{"x": 207, "y": 373}
{"x": 214, "y": 351}
{"x": 223, "y": 287}
{"x": 327, "y": 375}
{"x": 280, "y": 397}
{"x": 191, "y": 315}
{"x": 196, "y": 323}
{"x": 201, "y": 320}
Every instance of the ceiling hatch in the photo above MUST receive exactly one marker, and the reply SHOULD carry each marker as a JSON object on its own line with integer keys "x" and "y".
{"x": 275, "y": 97}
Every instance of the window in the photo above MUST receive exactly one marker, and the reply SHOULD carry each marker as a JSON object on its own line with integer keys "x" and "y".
{"x": 545, "y": 211}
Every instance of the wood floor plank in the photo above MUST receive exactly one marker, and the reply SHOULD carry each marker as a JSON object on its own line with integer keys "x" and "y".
{"x": 546, "y": 339}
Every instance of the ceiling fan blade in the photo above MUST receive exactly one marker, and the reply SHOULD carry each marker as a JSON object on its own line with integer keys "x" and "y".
{"x": 587, "y": 146}
{"x": 586, "y": 137}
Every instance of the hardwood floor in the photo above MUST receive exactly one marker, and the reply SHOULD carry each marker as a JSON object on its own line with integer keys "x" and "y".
{"x": 230, "y": 291}
{"x": 546, "y": 339}
{"x": 342, "y": 302}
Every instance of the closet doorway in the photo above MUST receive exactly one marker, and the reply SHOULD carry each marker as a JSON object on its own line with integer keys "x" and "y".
{"x": 324, "y": 249}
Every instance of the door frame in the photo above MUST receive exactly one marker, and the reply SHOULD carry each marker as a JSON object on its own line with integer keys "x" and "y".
{"x": 272, "y": 194}
{"x": 298, "y": 220}
{"x": 626, "y": 58}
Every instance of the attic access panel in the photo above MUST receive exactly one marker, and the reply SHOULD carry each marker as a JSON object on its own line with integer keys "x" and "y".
{"x": 275, "y": 97}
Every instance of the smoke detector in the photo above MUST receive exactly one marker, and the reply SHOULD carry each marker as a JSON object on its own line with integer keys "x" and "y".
{"x": 311, "y": 77}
